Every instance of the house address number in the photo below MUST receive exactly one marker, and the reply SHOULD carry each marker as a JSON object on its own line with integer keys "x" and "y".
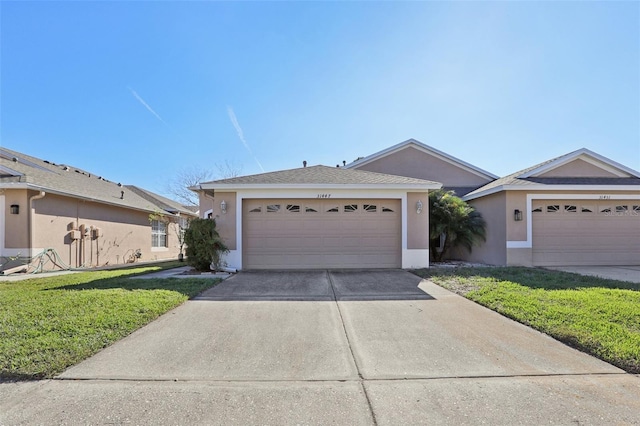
{"x": 324, "y": 196}
{"x": 605, "y": 197}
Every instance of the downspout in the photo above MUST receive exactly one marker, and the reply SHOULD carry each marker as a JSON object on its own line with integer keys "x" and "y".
{"x": 31, "y": 200}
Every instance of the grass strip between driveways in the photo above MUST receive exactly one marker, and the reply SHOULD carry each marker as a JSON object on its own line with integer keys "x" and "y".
{"x": 50, "y": 323}
{"x": 595, "y": 315}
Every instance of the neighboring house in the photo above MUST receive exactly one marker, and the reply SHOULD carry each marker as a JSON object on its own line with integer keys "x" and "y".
{"x": 321, "y": 217}
{"x": 577, "y": 209}
{"x": 87, "y": 220}
{"x": 412, "y": 158}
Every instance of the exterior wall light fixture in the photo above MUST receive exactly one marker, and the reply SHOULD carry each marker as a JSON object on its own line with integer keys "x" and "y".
{"x": 419, "y": 207}
{"x": 15, "y": 209}
{"x": 517, "y": 215}
{"x": 223, "y": 207}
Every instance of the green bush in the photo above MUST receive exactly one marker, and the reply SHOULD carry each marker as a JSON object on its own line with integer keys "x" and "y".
{"x": 204, "y": 245}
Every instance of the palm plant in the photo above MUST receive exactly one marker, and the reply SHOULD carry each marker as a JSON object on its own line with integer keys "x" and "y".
{"x": 454, "y": 223}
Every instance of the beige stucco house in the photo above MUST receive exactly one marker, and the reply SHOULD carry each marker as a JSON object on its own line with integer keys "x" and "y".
{"x": 87, "y": 220}
{"x": 577, "y": 209}
{"x": 321, "y": 217}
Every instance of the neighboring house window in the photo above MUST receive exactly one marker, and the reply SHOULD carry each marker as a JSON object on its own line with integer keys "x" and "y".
{"x": 158, "y": 234}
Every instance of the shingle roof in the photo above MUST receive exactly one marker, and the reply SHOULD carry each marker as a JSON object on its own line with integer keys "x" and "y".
{"x": 514, "y": 180}
{"x": 323, "y": 175}
{"x": 18, "y": 170}
{"x": 164, "y": 203}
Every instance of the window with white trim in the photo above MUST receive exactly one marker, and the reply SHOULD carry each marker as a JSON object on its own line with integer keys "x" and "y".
{"x": 158, "y": 233}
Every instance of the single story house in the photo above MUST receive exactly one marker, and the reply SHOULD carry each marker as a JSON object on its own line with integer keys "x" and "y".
{"x": 580, "y": 208}
{"x": 577, "y": 209}
{"x": 321, "y": 217}
{"x": 86, "y": 220}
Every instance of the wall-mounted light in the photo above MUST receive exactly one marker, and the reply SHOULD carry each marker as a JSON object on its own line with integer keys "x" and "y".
{"x": 15, "y": 209}
{"x": 419, "y": 207}
{"x": 517, "y": 215}
{"x": 223, "y": 207}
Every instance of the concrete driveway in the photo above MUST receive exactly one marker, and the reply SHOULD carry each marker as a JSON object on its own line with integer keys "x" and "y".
{"x": 331, "y": 347}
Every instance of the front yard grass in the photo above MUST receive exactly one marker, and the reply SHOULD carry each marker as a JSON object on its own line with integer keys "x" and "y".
{"x": 48, "y": 324}
{"x": 594, "y": 315}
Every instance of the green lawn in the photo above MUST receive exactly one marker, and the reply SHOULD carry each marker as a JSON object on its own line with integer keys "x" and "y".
{"x": 595, "y": 315}
{"x": 48, "y": 324}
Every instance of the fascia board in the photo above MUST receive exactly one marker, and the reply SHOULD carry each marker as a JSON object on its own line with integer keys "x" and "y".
{"x": 578, "y": 188}
{"x": 235, "y": 187}
{"x": 427, "y": 149}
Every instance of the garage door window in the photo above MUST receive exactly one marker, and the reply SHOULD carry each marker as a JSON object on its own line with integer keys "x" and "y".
{"x": 293, "y": 208}
{"x": 273, "y": 208}
{"x": 386, "y": 210}
{"x": 605, "y": 209}
{"x": 537, "y": 209}
{"x": 370, "y": 208}
{"x": 621, "y": 209}
{"x": 553, "y": 208}
{"x": 570, "y": 208}
{"x": 256, "y": 210}
{"x": 335, "y": 209}
{"x": 350, "y": 208}
{"x": 636, "y": 209}
{"x": 586, "y": 209}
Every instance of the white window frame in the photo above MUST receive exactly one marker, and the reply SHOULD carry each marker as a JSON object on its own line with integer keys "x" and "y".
{"x": 158, "y": 231}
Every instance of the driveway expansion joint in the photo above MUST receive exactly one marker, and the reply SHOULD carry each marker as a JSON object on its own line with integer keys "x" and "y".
{"x": 355, "y": 361}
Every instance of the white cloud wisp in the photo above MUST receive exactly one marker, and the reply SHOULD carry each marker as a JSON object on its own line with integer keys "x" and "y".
{"x": 234, "y": 121}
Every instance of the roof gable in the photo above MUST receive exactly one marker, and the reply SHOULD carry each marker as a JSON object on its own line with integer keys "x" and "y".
{"x": 567, "y": 172}
{"x": 582, "y": 163}
{"x": 412, "y": 144}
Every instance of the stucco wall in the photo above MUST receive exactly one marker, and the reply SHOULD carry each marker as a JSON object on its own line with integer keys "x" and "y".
{"x": 417, "y": 223}
{"x": 225, "y": 222}
{"x": 578, "y": 168}
{"x": 414, "y": 163}
{"x": 122, "y": 232}
{"x": 16, "y": 234}
{"x": 493, "y": 251}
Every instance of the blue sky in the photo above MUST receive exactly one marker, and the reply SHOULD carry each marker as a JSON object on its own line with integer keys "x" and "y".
{"x": 135, "y": 91}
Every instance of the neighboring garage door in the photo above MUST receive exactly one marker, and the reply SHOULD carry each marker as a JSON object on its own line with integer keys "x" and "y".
{"x": 336, "y": 233}
{"x": 588, "y": 232}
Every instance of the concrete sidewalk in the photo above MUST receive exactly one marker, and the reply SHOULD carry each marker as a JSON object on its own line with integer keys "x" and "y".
{"x": 620, "y": 273}
{"x": 336, "y": 354}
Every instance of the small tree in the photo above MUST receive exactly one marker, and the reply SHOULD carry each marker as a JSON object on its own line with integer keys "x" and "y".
{"x": 204, "y": 245}
{"x": 458, "y": 223}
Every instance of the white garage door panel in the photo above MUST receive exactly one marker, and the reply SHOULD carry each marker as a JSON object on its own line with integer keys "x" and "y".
{"x": 603, "y": 233}
{"x": 318, "y": 238}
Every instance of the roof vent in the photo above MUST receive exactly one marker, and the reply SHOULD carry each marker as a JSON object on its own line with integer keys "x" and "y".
{"x": 344, "y": 163}
{"x": 119, "y": 184}
{"x": 15, "y": 159}
{"x": 122, "y": 195}
{"x": 304, "y": 163}
{"x": 65, "y": 168}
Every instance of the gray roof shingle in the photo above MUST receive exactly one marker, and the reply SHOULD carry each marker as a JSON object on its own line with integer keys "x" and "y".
{"x": 313, "y": 175}
{"x": 18, "y": 170}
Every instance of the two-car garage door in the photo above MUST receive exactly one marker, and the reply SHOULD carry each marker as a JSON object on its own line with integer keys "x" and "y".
{"x": 321, "y": 233}
{"x": 586, "y": 232}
